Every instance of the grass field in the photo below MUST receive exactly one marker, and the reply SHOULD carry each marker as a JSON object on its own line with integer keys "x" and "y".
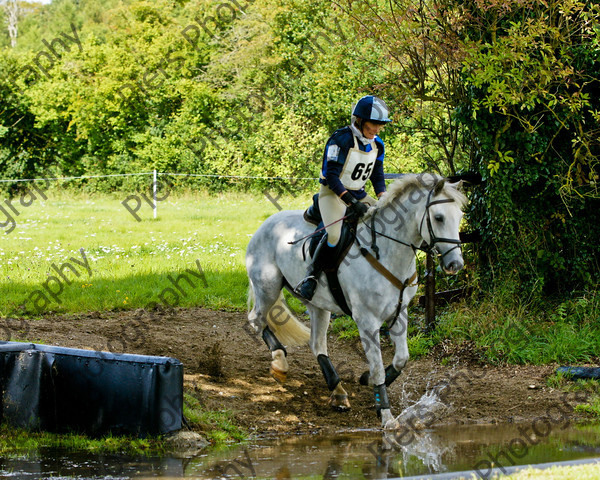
{"x": 78, "y": 253}
{"x": 116, "y": 262}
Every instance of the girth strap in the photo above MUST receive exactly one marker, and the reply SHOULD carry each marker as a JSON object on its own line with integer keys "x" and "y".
{"x": 335, "y": 288}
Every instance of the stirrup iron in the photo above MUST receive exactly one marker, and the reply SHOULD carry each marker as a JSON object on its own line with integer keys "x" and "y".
{"x": 302, "y": 283}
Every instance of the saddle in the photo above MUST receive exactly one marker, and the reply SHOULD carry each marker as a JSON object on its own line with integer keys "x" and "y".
{"x": 347, "y": 237}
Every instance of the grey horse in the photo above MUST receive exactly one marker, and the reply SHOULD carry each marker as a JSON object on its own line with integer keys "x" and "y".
{"x": 417, "y": 211}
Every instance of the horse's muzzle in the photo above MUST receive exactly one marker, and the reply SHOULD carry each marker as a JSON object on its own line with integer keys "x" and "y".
{"x": 454, "y": 267}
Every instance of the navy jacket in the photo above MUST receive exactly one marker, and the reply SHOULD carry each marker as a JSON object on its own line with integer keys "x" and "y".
{"x": 336, "y": 151}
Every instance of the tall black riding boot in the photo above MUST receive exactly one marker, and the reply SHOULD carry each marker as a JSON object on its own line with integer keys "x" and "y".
{"x": 324, "y": 257}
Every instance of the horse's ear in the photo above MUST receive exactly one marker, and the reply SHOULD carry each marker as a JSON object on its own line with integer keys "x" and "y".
{"x": 439, "y": 186}
{"x": 458, "y": 185}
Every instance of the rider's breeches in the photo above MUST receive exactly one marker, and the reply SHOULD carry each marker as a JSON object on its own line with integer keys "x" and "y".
{"x": 332, "y": 209}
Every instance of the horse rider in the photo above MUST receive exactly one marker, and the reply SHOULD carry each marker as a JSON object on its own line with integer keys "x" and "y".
{"x": 353, "y": 155}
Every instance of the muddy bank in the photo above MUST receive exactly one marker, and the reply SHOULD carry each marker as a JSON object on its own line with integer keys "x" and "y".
{"x": 229, "y": 369}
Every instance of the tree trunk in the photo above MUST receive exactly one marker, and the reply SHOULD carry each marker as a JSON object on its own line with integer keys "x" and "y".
{"x": 12, "y": 12}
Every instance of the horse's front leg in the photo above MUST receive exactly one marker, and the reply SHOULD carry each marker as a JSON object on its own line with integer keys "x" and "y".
{"x": 369, "y": 335}
{"x": 398, "y": 333}
{"x": 318, "y": 344}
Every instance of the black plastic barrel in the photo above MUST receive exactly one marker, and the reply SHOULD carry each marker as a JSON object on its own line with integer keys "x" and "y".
{"x": 71, "y": 390}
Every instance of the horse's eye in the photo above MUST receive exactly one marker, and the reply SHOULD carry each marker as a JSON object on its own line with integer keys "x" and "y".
{"x": 439, "y": 218}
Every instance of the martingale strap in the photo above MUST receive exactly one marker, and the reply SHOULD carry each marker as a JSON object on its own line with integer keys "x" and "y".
{"x": 377, "y": 265}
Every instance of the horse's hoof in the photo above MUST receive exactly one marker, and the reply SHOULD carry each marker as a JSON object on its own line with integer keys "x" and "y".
{"x": 339, "y": 402}
{"x": 279, "y": 375}
{"x": 364, "y": 378}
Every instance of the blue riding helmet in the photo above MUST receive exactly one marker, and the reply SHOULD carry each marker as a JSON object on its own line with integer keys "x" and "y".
{"x": 373, "y": 109}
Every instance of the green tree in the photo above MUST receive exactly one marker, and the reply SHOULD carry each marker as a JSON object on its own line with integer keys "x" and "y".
{"x": 532, "y": 73}
{"x": 421, "y": 54}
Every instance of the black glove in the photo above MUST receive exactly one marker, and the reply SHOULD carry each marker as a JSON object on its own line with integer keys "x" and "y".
{"x": 356, "y": 208}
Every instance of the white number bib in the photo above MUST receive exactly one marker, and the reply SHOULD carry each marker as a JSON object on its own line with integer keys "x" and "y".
{"x": 358, "y": 167}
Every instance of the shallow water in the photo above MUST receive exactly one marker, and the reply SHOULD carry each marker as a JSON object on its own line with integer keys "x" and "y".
{"x": 347, "y": 455}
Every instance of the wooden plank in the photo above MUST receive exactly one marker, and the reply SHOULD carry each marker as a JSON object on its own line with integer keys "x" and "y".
{"x": 447, "y": 296}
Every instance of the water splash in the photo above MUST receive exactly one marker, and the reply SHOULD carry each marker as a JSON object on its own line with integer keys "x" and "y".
{"x": 422, "y": 414}
{"x": 406, "y": 433}
{"x": 426, "y": 447}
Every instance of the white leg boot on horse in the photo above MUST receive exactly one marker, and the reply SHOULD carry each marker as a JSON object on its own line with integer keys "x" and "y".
{"x": 318, "y": 344}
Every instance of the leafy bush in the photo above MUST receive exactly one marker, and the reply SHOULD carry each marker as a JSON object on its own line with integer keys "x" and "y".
{"x": 506, "y": 328}
{"x": 532, "y": 111}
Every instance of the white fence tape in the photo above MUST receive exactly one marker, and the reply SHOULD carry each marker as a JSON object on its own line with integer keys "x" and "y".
{"x": 155, "y": 175}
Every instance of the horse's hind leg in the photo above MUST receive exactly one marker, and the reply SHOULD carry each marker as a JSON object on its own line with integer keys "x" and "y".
{"x": 279, "y": 364}
{"x": 319, "y": 320}
{"x": 265, "y": 297}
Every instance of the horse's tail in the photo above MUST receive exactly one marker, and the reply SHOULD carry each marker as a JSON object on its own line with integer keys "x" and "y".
{"x": 288, "y": 329}
{"x": 286, "y": 326}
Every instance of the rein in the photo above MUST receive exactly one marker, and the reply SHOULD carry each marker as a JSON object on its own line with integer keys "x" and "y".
{"x": 427, "y": 248}
{"x": 318, "y": 230}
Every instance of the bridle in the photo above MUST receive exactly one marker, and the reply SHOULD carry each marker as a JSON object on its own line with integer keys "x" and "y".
{"x": 430, "y": 247}
{"x": 433, "y": 238}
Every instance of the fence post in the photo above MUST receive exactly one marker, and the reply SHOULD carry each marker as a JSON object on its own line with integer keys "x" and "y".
{"x": 154, "y": 193}
{"x": 429, "y": 293}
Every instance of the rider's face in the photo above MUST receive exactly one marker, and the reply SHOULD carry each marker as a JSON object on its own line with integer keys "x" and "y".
{"x": 370, "y": 129}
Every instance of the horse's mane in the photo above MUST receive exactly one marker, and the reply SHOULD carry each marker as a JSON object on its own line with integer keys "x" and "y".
{"x": 413, "y": 181}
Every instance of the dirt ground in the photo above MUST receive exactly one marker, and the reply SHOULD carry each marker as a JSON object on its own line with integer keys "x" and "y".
{"x": 229, "y": 369}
